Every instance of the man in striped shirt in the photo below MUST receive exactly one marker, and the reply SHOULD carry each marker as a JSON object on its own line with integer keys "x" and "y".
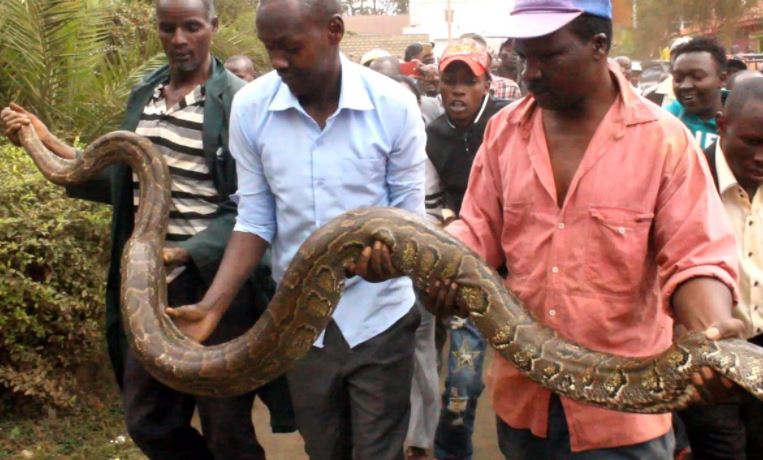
{"x": 183, "y": 109}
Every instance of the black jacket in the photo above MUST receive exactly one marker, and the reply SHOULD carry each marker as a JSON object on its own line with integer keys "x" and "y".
{"x": 452, "y": 150}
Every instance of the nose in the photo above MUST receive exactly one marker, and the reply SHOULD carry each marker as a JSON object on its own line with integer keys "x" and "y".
{"x": 278, "y": 61}
{"x": 178, "y": 37}
{"x": 686, "y": 83}
{"x": 530, "y": 70}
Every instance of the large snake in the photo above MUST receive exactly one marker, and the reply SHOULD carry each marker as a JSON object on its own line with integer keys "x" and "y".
{"x": 312, "y": 286}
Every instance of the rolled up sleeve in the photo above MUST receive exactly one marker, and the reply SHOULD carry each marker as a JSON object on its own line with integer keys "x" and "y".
{"x": 256, "y": 203}
{"x": 692, "y": 231}
{"x": 481, "y": 219}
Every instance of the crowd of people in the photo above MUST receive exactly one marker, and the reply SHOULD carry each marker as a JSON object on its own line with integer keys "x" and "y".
{"x": 621, "y": 218}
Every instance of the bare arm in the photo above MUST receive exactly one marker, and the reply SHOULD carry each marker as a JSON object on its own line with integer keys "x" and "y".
{"x": 242, "y": 255}
{"x": 704, "y": 304}
{"x": 14, "y": 117}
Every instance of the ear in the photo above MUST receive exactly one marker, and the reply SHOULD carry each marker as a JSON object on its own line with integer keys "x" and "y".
{"x": 487, "y": 83}
{"x": 723, "y": 76}
{"x": 336, "y": 29}
{"x": 600, "y": 46}
{"x": 215, "y": 23}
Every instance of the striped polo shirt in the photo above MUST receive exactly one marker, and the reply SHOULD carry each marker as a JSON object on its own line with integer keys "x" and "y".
{"x": 177, "y": 134}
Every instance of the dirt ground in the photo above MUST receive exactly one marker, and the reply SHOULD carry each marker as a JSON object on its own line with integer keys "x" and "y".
{"x": 290, "y": 446}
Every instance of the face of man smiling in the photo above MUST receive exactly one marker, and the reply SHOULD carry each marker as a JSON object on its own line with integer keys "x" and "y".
{"x": 697, "y": 82}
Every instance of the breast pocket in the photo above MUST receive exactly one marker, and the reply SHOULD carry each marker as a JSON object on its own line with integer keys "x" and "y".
{"x": 363, "y": 176}
{"x": 617, "y": 249}
{"x": 517, "y": 218}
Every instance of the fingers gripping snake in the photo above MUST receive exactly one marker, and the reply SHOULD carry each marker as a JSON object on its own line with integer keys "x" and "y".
{"x": 312, "y": 286}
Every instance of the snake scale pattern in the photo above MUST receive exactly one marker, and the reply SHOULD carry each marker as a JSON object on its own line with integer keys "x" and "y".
{"x": 312, "y": 286}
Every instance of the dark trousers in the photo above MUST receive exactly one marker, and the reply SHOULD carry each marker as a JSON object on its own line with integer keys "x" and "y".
{"x": 356, "y": 400}
{"x": 523, "y": 445}
{"x": 732, "y": 430}
{"x": 715, "y": 432}
{"x": 158, "y": 418}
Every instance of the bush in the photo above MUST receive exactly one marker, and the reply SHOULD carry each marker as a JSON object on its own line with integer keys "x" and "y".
{"x": 53, "y": 257}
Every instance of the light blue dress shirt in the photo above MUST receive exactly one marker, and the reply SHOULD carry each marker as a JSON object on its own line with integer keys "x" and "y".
{"x": 294, "y": 177}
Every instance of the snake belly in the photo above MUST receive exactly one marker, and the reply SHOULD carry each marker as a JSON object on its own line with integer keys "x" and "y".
{"x": 312, "y": 285}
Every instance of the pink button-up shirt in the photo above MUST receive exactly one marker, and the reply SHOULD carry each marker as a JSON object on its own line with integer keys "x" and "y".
{"x": 641, "y": 217}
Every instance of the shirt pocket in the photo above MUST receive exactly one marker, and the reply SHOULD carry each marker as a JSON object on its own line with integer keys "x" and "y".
{"x": 616, "y": 250}
{"x": 517, "y": 219}
{"x": 363, "y": 177}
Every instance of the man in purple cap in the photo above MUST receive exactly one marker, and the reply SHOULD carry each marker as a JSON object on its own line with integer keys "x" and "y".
{"x": 598, "y": 204}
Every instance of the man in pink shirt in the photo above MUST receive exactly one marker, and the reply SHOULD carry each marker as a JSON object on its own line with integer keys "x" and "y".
{"x": 604, "y": 214}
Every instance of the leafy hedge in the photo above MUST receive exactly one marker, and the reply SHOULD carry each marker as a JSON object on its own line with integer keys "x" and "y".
{"x": 53, "y": 256}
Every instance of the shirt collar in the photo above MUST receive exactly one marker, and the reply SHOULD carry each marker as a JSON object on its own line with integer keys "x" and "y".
{"x": 726, "y": 178}
{"x": 353, "y": 94}
{"x": 634, "y": 110}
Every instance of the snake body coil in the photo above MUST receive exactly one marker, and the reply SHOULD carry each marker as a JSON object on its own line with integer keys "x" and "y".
{"x": 312, "y": 286}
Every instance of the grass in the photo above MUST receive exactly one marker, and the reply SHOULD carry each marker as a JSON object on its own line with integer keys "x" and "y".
{"x": 88, "y": 431}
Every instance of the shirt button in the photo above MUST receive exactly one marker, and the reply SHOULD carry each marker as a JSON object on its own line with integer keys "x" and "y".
{"x": 621, "y": 230}
{"x": 756, "y": 284}
{"x": 749, "y": 254}
{"x": 552, "y": 312}
{"x": 561, "y": 226}
{"x": 554, "y": 269}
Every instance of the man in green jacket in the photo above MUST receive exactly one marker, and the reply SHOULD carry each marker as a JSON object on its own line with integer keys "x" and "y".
{"x": 183, "y": 108}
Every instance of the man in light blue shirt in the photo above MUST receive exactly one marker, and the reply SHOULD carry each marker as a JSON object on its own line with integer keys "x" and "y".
{"x": 315, "y": 138}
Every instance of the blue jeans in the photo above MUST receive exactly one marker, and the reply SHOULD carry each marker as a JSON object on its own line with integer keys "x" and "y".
{"x": 463, "y": 387}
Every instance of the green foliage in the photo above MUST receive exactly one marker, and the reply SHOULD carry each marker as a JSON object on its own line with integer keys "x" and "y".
{"x": 67, "y": 62}
{"x": 73, "y": 62}
{"x": 93, "y": 430}
{"x": 659, "y": 21}
{"x": 237, "y": 34}
{"x": 53, "y": 254}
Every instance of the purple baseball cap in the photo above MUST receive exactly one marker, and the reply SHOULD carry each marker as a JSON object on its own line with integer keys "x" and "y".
{"x": 536, "y": 18}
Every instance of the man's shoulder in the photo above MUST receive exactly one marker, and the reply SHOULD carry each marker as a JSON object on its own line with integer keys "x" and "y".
{"x": 665, "y": 119}
{"x": 511, "y": 112}
{"x": 440, "y": 126}
{"x": 675, "y": 108}
{"x": 258, "y": 92}
{"x": 383, "y": 91}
